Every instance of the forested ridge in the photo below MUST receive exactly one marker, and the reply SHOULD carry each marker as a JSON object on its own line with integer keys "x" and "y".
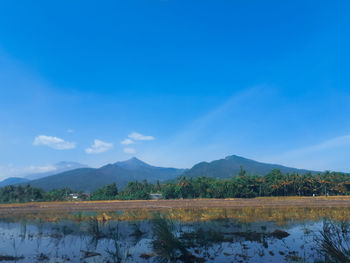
{"x": 243, "y": 185}
{"x": 90, "y": 179}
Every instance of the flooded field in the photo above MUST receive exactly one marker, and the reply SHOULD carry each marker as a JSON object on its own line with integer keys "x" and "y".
{"x": 178, "y": 235}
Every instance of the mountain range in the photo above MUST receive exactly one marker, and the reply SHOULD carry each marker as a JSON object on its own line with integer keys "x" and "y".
{"x": 13, "y": 181}
{"x": 82, "y": 178}
{"x": 88, "y": 179}
{"x": 54, "y": 169}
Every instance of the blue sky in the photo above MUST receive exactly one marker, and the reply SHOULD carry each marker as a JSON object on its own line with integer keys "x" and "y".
{"x": 182, "y": 81}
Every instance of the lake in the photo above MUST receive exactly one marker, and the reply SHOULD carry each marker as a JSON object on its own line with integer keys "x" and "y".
{"x": 178, "y": 235}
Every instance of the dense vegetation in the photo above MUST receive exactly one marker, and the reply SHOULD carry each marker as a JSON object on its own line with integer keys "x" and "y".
{"x": 19, "y": 194}
{"x": 108, "y": 192}
{"x": 243, "y": 185}
{"x": 16, "y": 194}
{"x": 246, "y": 186}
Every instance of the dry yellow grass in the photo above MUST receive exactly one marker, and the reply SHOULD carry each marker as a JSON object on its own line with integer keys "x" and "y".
{"x": 244, "y": 214}
{"x": 217, "y": 207}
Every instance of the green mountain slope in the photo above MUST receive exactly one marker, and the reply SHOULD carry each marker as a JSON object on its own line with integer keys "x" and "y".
{"x": 230, "y": 166}
{"x": 57, "y": 168}
{"x": 89, "y": 179}
{"x": 13, "y": 181}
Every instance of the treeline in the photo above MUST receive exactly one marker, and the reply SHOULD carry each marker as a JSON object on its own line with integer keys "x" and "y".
{"x": 21, "y": 194}
{"x": 133, "y": 191}
{"x": 247, "y": 186}
{"x": 241, "y": 186}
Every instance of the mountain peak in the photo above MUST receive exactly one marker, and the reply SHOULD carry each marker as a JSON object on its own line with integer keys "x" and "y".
{"x": 134, "y": 159}
{"x": 132, "y": 163}
{"x": 237, "y": 157}
{"x": 121, "y": 173}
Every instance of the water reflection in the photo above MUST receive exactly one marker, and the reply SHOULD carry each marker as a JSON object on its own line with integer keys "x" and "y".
{"x": 107, "y": 237}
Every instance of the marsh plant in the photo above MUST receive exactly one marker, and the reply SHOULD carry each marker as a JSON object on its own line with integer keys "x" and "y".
{"x": 166, "y": 244}
{"x": 95, "y": 228}
{"x": 202, "y": 238}
{"x": 137, "y": 233}
{"x": 95, "y": 231}
{"x": 116, "y": 253}
{"x": 334, "y": 241}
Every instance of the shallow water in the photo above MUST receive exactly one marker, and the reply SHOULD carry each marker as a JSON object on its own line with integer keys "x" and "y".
{"x": 163, "y": 237}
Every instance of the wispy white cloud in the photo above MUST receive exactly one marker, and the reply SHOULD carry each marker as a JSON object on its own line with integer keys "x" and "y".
{"x": 129, "y": 150}
{"x": 191, "y": 133}
{"x": 70, "y": 130}
{"x": 11, "y": 170}
{"x": 41, "y": 169}
{"x": 325, "y": 145}
{"x": 127, "y": 141}
{"x": 99, "y": 147}
{"x": 53, "y": 142}
{"x": 326, "y": 155}
{"x": 139, "y": 137}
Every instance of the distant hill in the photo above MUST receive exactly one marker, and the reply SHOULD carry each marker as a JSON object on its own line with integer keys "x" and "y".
{"x": 13, "y": 181}
{"x": 57, "y": 168}
{"x": 230, "y": 166}
{"x": 89, "y": 179}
